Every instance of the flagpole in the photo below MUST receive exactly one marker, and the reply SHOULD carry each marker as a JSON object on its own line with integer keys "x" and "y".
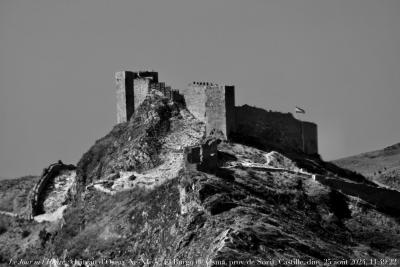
{"x": 301, "y": 111}
{"x": 302, "y": 135}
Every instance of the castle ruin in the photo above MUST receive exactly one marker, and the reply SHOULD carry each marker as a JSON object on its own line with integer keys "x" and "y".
{"x": 132, "y": 88}
{"x": 214, "y": 105}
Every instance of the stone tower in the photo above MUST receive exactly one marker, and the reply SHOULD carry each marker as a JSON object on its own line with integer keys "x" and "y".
{"x": 132, "y": 88}
{"x": 213, "y": 104}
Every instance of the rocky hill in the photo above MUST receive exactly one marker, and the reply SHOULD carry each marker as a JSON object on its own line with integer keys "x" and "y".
{"x": 138, "y": 199}
{"x": 14, "y": 193}
{"x": 381, "y": 166}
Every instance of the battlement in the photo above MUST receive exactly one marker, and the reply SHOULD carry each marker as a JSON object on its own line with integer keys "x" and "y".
{"x": 203, "y": 84}
{"x": 132, "y": 89}
{"x": 214, "y": 105}
{"x": 272, "y": 128}
{"x": 146, "y": 74}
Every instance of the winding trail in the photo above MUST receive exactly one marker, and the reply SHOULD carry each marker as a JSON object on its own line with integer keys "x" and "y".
{"x": 383, "y": 198}
{"x": 10, "y": 214}
{"x": 263, "y": 167}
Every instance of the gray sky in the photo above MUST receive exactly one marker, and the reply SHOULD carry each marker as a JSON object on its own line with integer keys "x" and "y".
{"x": 340, "y": 60}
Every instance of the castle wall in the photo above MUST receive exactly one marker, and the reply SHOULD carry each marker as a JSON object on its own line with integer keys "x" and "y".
{"x": 202, "y": 157}
{"x": 310, "y": 137}
{"x": 212, "y": 104}
{"x": 152, "y": 75}
{"x": 177, "y": 97}
{"x": 35, "y": 201}
{"x": 195, "y": 99}
{"x": 276, "y": 129}
{"x": 141, "y": 87}
{"x": 215, "y": 106}
{"x": 125, "y": 97}
{"x": 132, "y": 88}
{"x": 215, "y": 109}
{"x": 230, "y": 109}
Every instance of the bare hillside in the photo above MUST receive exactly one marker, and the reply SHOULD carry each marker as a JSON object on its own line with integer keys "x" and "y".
{"x": 381, "y": 166}
{"x": 137, "y": 203}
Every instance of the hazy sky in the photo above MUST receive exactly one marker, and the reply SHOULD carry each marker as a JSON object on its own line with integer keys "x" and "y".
{"x": 338, "y": 59}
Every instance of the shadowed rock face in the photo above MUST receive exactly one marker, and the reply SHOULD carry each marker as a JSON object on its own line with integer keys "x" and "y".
{"x": 198, "y": 216}
{"x": 215, "y": 106}
{"x": 131, "y": 145}
{"x": 154, "y": 137}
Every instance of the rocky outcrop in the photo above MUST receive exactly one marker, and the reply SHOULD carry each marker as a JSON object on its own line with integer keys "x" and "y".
{"x": 164, "y": 195}
{"x": 201, "y": 219}
{"x": 14, "y": 194}
{"x": 149, "y": 147}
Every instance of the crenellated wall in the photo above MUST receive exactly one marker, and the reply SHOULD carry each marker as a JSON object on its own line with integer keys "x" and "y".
{"x": 195, "y": 99}
{"x": 132, "y": 89}
{"x": 141, "y": 87}
{"x": 276, "y": 129}
{"x": 215, "y": 106}
{"x": 36, "y": 196}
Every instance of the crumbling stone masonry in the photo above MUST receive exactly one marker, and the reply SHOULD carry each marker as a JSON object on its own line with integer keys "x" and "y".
{"x": 35, "y": 199}
{"x": 132, "y": 89}
{"x": 202, "y": 157}
{"x": 214, "y": 105}
{"x": 277, "y": 128}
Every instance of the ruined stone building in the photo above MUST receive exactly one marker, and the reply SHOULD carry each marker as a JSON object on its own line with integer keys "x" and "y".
{"x": 132, "y": 88}
{"x": 214, "y": 105}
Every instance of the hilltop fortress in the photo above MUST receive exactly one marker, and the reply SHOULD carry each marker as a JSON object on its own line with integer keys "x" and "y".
{"x": 214, "y": 105}
{"x": 195, "y": 148}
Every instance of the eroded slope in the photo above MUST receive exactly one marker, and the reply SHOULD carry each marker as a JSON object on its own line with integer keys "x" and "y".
{"x": 200, "y": 217}
{"x": 136, "y": 202}
{"x": 381, "y": 166}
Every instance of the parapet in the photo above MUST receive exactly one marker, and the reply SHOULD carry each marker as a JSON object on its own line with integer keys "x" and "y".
{"x": 275, "y": 130}
{"x": 214, "y": 105}
{"x": 132, "y": 89}
{"x": 205, "y": 84}
{"x": 35, "y": 199}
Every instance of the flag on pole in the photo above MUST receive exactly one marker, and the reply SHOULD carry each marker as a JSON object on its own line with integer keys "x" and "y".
{"x": 300, "y": 110}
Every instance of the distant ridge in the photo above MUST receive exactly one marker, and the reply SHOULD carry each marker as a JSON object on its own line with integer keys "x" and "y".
{"x": 392, "y": 147}
{"x": 381, "y": 166}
